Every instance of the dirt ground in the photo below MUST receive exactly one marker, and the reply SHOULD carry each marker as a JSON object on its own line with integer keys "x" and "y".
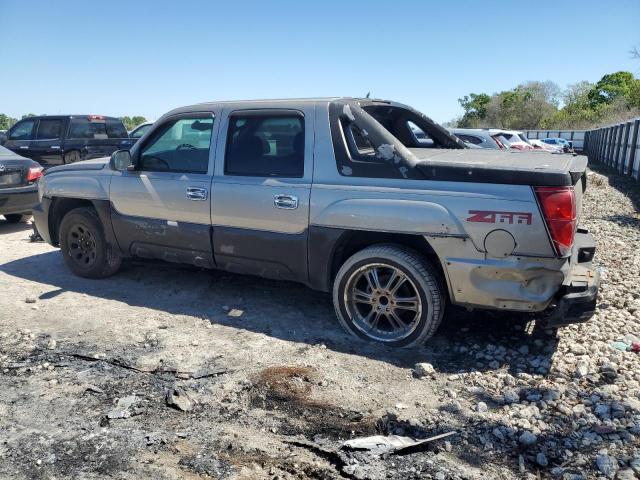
{"x": 268, "y": 383}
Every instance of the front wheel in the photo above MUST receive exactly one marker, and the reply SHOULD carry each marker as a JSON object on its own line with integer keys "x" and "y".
{"x": 84, "y": 246}
{"x": 389, "y": 294}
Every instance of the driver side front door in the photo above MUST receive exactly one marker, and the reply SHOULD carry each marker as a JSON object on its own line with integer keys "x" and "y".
{"x": 162, "y": 209}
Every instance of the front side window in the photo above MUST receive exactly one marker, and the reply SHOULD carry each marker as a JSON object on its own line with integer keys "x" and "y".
{"x": 265, "y": 146}
{"x": 23, "y": 130}
{"x": 49, "y": 129}
{"x": 180, "y": 145}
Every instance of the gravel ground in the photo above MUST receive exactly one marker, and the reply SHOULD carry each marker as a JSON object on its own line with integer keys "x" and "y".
{"x": 167, "y": 372}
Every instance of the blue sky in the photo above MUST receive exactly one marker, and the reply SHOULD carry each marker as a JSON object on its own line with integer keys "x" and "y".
{"x": 145, "y": 57}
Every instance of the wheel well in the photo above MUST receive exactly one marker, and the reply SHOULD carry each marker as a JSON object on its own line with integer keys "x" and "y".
{"x": 354, "y": 241}
{"x": 59, "y": 208}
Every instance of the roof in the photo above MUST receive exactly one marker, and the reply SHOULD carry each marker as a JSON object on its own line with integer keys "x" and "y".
{"x": 273, "y": 102}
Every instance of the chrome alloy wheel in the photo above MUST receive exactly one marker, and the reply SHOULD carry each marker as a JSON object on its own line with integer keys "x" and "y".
{"x": 383, "y": 302}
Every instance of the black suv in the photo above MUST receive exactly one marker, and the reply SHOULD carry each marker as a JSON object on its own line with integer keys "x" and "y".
{"x": 59, "y": 139}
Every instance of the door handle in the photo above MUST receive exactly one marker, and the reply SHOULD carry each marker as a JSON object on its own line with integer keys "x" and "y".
{"x": 286, "y": 202}
{"x": 197, "y": 193}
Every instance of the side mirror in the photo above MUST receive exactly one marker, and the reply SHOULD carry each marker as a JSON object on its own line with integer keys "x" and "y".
{"x": 121, "y": 160}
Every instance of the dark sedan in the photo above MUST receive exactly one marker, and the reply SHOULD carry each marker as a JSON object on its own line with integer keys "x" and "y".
{"x": 18, "y": 186}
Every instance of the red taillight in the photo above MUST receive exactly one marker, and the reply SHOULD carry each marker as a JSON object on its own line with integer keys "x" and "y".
{"x": 33, "y": 174}
{"x": 559, "y": 209}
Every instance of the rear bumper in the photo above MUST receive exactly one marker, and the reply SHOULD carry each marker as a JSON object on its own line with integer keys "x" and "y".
{"x": 576, "y": 301}
{"x": 41, "y": 218}
{"x": 18, "y": 199}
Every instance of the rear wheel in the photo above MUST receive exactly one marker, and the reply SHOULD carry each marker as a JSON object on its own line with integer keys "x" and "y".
{"x": 389, "y": 294}
{"x": 18, "y": 217}
{"x": 72, "y": 157}
{"x": 84, "y": 246}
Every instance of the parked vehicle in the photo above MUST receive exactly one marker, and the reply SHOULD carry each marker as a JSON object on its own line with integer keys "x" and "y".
{"x": 479, "y": 137}
{"x": 140, "y": 130}
{"x": 60, "y": 139}
{"x": 341, "y": 195}
{"x": 566, "y": 145}
{"x": 540, "y": 145}
{"x": 18, "y": 187}
{"x": 3, "y": 136}
{"x": 512, "y": 138}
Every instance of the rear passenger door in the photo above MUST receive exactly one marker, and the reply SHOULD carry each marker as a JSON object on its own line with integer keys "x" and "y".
{"x": 261, "y": 190}
{"x": 162, "y": 208}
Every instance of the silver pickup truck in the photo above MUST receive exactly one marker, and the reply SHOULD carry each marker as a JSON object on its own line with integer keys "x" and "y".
{"x": 367, "y": 199}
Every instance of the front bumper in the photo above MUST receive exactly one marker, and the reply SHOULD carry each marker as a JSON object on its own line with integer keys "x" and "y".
{"x": 41, "y": 218}
{"x": 576, "y": 301}
{"x": 18, "y": 199}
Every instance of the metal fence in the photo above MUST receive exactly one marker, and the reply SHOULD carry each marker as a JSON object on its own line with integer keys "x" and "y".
{"x": 617, "y": 146}
{"x": 574, "y": 136}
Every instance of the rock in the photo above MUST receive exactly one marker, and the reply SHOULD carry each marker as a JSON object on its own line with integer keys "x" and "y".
{"x": 482, "y": 407}
{"x": 607, "y": 465}
{"x": 511, "y": 396}
{"x": 582, "y": 368}
{"x": 51, "y": 344}
{"x": 235, "y": 313}
{"x": 541, "y": 459}
{"x": 524, "y": 350}
{"x": 626, "y": 474}
{"x": 30, "y": 300}
{"x": 527, "y": 439}
{"x": 609, "y": 370}
{"x": 179, "y": 398}
{"x": 195, "y": 343}
{"x": 423, "y": 369}
{"x": 122, "y": 408}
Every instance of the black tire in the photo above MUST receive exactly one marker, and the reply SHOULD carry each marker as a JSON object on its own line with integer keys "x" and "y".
{"x": 420, "y": 277}
{"x": 72, "y": 157}
{"x": 84, "y": 246}
{"x": 18, "y": 217}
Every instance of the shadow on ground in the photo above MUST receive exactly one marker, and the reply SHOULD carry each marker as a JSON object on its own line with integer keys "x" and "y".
{"x": 6, "y": 227}
{"x": 292, "y": 312}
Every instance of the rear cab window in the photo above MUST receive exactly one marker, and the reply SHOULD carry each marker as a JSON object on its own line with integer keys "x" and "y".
{"x": 97, "y": 128}
{"x": 269, "y": 144}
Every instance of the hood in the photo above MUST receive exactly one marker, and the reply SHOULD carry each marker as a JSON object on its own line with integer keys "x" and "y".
{"x": 535, "y": 168}
{"x": 94, "y": 164}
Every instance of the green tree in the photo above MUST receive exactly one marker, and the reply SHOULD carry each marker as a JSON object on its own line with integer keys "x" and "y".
{"x": 610, "y": 87}
{"x": 6, "y": 122}
{"x": 132, "y": 122}
{"x": 475, "y": 109}
{"x": 27, "y": 115}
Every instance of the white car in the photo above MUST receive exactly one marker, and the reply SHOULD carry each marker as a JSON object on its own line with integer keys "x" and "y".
{"x": 540, "y": 145}
{"x": 514, "y": 138}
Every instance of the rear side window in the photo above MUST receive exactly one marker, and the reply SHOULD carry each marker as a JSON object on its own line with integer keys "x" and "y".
{"x": 97, "y": 129}
{"x": 469, "y": 138}
{"x": 22, "y": 130}
{"x": 49, "y": 129}
{"x": 265, "y": 146}
{"x": 180, "y": 145}
{"x": 115, "y": 129}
